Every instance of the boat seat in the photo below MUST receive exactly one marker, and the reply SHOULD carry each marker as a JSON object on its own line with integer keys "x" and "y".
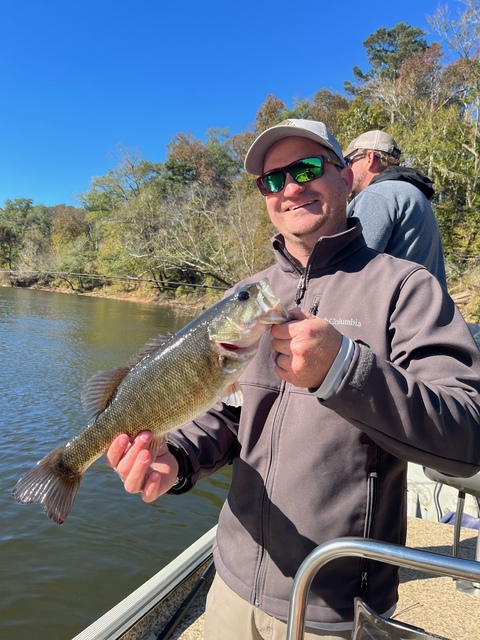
{"x": 470, "y": 486}
{"x": 464, "y": 486}
{"x": 370, "y": 626}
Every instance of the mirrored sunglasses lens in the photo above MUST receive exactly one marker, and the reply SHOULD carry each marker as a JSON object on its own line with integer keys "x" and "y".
{"x": 306, "y": 170}
{"x": 273, "y": 182}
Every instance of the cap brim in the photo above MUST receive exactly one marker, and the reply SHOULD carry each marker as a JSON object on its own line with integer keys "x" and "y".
{"x": 349, "y": 150}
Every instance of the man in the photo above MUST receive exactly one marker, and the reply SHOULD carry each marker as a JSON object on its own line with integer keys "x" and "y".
{"x": 378, "y": 367}
{"x": 392, "y": 203}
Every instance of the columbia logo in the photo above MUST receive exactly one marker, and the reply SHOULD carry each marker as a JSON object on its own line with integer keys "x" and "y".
{"x": 353, "y": 322}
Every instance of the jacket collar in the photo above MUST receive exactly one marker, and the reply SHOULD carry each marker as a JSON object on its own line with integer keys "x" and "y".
{"x": 328, "y": 250}
{"x": 407, "y": 174}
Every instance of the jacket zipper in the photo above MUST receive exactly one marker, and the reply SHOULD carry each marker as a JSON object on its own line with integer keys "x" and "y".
{"x": 301, "y": 288}
{"x": 371, "y": 503}
{"x": 314, "y": 308}
{"x": 300, "y": 271}
{"x": 264, "y": 516}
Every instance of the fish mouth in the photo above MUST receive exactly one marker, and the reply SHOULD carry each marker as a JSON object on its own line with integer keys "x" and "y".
{"x": 238, "y": 350}
{"x": 274, "y": 310}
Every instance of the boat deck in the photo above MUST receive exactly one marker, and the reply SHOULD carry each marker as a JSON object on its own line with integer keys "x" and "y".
{"x": 426, "y": 600}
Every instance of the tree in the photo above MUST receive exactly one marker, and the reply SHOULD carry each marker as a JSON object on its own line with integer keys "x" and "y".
{"x": 327, "y": 107}
{"x": 13, "y": 222}
{"x": 387, "y": 50}
{"x": 462, "y": 35}
{"x": 210, "y": 163}
{"x": 361, "y": 115}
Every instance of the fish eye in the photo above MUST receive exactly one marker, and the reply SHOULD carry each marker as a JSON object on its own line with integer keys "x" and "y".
{"x": 243, "y": 295}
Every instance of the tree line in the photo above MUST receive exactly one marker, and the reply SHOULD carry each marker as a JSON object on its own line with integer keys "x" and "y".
{"x": 198, "y": 219}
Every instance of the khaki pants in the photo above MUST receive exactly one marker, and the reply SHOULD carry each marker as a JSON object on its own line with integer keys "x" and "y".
{"x": 229, "y": 617}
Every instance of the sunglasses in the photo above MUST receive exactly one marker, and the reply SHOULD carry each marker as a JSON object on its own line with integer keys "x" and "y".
{"x": 350, "y": 161}
{"x": 301, "y": 171}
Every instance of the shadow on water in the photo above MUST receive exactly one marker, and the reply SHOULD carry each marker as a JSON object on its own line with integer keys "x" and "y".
{"x": 57, "y": 580}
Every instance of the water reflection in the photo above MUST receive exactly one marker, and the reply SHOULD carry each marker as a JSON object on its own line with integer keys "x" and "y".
{"x": 57, "y": 580}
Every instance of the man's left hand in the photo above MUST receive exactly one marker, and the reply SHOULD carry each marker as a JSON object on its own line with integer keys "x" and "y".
{"x": 304, "y": 349}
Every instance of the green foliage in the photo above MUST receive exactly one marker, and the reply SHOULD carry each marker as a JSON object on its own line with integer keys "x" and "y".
{"x": 360, "y": 116}
{"x": 24, "y": 231}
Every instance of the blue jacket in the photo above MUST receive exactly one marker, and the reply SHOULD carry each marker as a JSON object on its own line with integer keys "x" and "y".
{"x": 397, "y": 218}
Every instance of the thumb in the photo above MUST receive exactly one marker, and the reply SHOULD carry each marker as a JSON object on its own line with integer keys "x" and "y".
{"x": 300, "y": 314}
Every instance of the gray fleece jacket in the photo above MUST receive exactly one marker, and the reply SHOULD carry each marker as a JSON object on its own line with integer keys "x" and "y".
{"x": 398, "y": 219}
{"x": 306, "y": 471}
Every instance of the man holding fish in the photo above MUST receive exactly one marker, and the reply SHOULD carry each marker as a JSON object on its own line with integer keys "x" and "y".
{"x": 375, "y": 368}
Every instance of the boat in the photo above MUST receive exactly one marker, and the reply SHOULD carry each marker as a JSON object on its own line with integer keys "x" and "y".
{"x": 170, "y": 605}
{"x": 440, "y": 564}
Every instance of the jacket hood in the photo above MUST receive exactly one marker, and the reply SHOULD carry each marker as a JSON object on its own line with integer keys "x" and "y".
{"x": 406, "y": 174}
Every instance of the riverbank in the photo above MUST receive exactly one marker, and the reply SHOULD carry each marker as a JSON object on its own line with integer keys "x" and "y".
{"x": 196, "y": 302}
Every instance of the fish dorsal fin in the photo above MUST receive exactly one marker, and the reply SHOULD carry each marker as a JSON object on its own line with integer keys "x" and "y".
{"x": 100, "y": 389}
{"x": 150, "y": 348}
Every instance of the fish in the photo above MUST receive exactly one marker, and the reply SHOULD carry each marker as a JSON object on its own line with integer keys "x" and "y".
{"x": 172, "y": 381}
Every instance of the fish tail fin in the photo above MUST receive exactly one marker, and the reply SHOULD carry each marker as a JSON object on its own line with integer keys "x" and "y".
{"x": 52, "y": 484}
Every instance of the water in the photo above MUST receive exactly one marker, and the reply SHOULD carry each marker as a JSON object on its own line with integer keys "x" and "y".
{"x": 57, "y": 580}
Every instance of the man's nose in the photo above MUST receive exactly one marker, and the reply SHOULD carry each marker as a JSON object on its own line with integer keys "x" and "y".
{"x": 291, "y": 187}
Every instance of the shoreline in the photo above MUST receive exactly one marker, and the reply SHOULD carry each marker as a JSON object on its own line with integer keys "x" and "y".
{"x": 199, "y": 304}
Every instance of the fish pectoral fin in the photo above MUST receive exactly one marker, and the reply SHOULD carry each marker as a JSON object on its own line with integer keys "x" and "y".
{"x": 156, "y": 444}
{"x": 233, "y": 395}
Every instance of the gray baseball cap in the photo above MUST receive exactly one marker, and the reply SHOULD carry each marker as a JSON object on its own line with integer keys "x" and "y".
{"x": 376, "y": 141}
{"x": 311, "y": 129}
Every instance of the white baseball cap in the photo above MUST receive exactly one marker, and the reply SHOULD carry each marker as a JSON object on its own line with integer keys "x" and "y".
{"x": 311, "y": 129}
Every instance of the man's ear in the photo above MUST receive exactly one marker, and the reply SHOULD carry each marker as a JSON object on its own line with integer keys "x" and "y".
{"x": 371, "y": 159}
{"x": 347, "y": 176}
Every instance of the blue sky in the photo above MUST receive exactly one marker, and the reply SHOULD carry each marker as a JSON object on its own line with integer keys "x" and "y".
{"x": 81, "y": 79}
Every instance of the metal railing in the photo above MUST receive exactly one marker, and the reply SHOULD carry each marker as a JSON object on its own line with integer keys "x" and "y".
{"x": 434, "y": 563}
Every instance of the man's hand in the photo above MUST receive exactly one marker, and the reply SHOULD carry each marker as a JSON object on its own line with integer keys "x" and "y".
{"x": 150, "y": 473}
{"x": 304, "y": 349}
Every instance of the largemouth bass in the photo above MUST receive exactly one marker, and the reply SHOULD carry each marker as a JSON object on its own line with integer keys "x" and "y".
{"x": 168, "y": 384}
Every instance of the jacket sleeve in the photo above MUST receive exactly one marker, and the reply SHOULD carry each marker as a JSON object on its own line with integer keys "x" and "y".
{"x": 421, "y": 403}
{"x": 205, "y": 445}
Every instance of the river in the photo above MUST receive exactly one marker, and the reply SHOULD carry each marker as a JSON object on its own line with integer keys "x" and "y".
{"x": 57, "y": 580}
